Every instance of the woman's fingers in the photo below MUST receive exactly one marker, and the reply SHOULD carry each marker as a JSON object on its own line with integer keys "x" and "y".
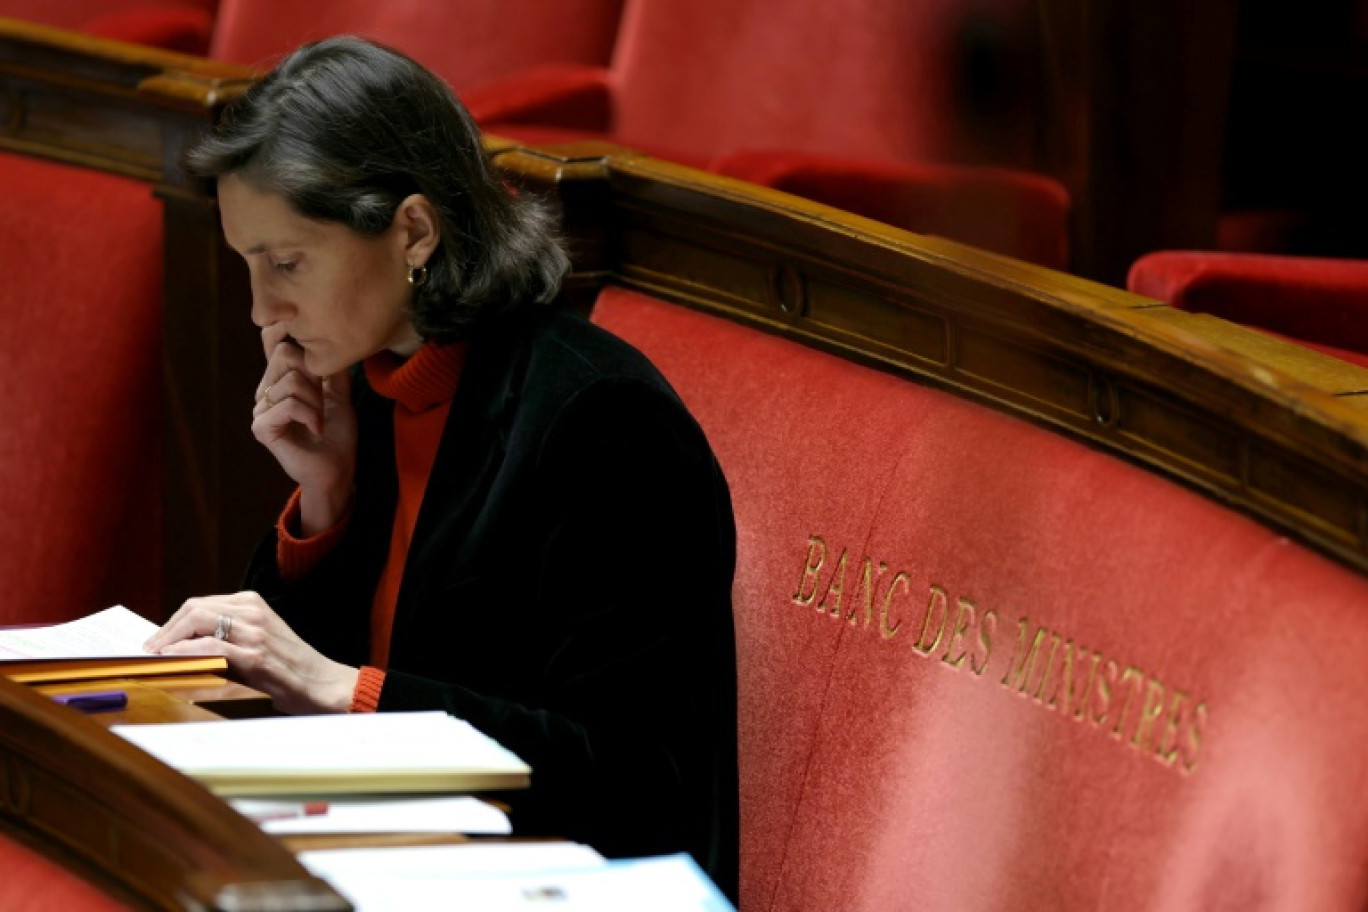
{"x": 282, "y": 357}
{"x": 261, "y": 650}
{"x": 191, "y": 621}
{"x": 272, "y": 336}
{"x": 274, "y": 424}
{"x": 199, "y": 618}
{"x": 291, "y": 385}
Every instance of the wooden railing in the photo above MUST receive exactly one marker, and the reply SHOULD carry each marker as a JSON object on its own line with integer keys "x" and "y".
{"x": 1276, "y": 430}
{"x": 141, "y": 831}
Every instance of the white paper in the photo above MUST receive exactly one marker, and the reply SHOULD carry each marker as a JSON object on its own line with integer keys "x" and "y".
{"x": 426, "y": 877}
{"x": 458, "y": 814}
{"x": 513, "y": 878}
{"x": 416, "y": 742}
{"x": 114, "y": 633}
{"x": 448, "y": 860}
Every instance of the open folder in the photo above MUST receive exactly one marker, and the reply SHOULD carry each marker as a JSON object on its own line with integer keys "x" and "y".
{"x": 107, "y": 644}
{"x": 332, "y": 754}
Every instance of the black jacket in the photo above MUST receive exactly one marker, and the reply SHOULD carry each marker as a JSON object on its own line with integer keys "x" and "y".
{"x": 567, "y": 589}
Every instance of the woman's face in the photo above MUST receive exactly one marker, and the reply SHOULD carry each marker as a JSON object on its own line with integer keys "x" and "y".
{"x": 339, "y": 294}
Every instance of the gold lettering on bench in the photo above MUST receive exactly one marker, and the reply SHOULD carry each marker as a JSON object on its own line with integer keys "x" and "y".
{"x": 935, "y": 605}
{"x": 1136, "y": 708}
{"x": 964, "y": 619}
{"x": 1023, "y": 661}
{"x": 811, "y": 570}
{"x": 884, "y": 630}
{"x": 1049, "y": 668}
{"x": 1081, "y": 708}
{"x": 836, "y": 588}
{"x": 1103, "y": 694}
{"x": 1150, "y": 712}
{"x": 987, "y": 624}
{"x": 1072, "y": 687}
{"x": 867, "y": 585}
{"x": 1131, "y": 680}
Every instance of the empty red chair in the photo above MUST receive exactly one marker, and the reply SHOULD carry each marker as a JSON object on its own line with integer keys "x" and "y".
{"x": 173, "y": 25}
{"x": 1322, "y": 303}
{"x": 468, "y": 43}
{"x": 845, "y": 103}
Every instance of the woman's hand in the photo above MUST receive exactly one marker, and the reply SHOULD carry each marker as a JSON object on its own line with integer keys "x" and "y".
{"x": 262, "y": 651}
{"x": 309, "y": 425}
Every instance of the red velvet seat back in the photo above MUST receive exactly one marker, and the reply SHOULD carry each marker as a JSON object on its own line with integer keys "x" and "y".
{"x": 80, "y": 398}
{"x": 176, "y": 25}
{"x": 29, "y": 882}
{"x": 468, "y": 43}
{"x": 876, "y": 107}
{"x": 874, "y": 78}
{"x": 985, "y": 667}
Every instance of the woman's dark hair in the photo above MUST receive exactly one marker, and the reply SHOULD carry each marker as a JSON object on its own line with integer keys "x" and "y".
{"x": 345, "y": 129}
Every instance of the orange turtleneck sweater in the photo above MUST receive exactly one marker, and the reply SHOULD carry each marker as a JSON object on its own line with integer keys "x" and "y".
{"x": 422, "y": 389}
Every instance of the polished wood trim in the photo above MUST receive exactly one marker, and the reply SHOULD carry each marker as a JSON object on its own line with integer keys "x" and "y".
{"x": 171, "y": 698}
{"x": 105, "y": 104}
{"x": 150, "y": 836}
{"x": 1249, "y": 420}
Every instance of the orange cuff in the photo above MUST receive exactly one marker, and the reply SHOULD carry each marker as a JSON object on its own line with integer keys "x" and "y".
{"x": 297, "y": 556}
{"x": 366, "y": 697}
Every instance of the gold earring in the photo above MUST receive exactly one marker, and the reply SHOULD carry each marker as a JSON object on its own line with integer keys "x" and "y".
{"x": 417, "y": 276}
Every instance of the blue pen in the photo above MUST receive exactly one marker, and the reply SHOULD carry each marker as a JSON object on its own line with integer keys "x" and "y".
{"x": 95, "y": 700}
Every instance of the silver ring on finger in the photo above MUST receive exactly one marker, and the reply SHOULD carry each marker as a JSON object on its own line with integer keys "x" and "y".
{"x": 266, "y": 396}
{"x": 223, "y": 628}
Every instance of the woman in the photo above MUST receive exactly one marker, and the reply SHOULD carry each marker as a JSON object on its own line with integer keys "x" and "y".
{"x": 502, "y": 511}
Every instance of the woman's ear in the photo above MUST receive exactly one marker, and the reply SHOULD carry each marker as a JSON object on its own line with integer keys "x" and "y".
{"x": 418, "y": 225}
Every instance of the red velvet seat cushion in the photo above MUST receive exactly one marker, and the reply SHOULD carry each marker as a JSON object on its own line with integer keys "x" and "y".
{"x": 1016, "y": 213}
{"x": 1322, "y": 302}
{"x": 80, "y": 396}
{"x": 888, "y": 763}
{"x": 29, "y": 882}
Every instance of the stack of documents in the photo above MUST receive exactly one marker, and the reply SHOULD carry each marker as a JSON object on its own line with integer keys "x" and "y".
{"x": 514, "y": 877}
{"x": 107, "y": 644}
{"x": 358, "y": 773}
{"x": 374, "y": 753}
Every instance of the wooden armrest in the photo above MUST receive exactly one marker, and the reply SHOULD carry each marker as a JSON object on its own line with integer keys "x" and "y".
{"x": 101, "y": 807}
{"x": 118, "y": 107}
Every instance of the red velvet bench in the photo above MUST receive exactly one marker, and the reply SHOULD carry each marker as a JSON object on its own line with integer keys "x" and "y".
{"x": 983, "y": 666}
{"x": 1048, "y": 597}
